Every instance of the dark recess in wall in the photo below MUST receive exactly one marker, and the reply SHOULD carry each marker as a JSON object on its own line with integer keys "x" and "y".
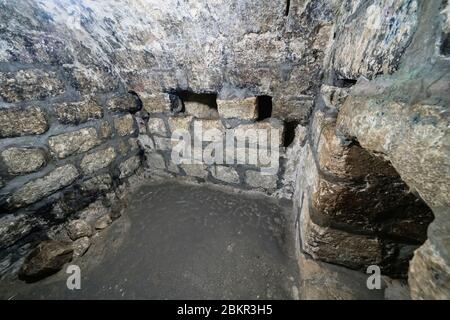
{"x": 445, "y": 44}
{"x": 138, "y": 100}
{"x": 264, "y": 107}
{"x": 289, "y": 132}
{"x": 209, "y": 99}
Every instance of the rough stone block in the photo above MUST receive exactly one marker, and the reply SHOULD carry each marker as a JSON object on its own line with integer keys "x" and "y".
{"x": 195, "y": 170}
{"x": 226, "y": 174}
{"x": 207, "y": 125}
{"x": 23, "y": 160}
{"x": 180, "y": 123}
{"x": 156, "y": 103}
{"x": 97, "y": 160}
{"x": 124, "y": 125}
{"x": 257, "y": 179}
{"x": 162, "y": 143}
{"x": 129, "y": 166}
{"x": 16, "y": 122}
{"x": 332, "y": 245}
{"x": 75, "y": 142}
{"x": 334, "y": 97}
{"x": 245, "y": 109}
{"x": 37, "y": 189}
{"x": 80, "y": 246}
{"x": 429, "y": 274}
{"x": 157, "y": 126}
{"x": 78, "y": 112}
{"x": 33, "y": 84}
{"x": 15, "y": 227}
{"x": 105, "y": 130}
{"x": 101, "y": 182}
{"x": 47, "y": 258}
{"x": 200, "y": 110}
{"x": 292, "y": 108}
{"x": 155, "y": 161}
{"x": 78, "y": 228}
{"x": 127, "y": 103}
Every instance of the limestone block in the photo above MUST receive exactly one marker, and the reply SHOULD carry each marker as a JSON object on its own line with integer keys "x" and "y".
{"x": 257, "y": 179}
{"x": 16, "y": 122}
{"x": 226, "y": 174}
{"x": 78, "y": 112}
{"x": 97, "y": 160}
{"x": 245, "y": 109}
{"x": 23, "y": 160}
{"x": 124, "y": 125}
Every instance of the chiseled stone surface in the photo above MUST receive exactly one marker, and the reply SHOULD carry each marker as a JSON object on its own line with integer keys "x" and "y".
{"x": 75, "y": 142}
{"x": 245, "y": 109}
{"x": 95, "y": 161}
{"x": 23, "y": 160}
{"x": 37, "y": 189}
{"x": 32, "y": 84}
{"x": 22, "y": 121}
{"x": 124, "y": 125}
{"x": 78, "y": 112}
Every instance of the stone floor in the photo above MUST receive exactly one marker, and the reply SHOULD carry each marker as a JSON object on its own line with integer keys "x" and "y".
{"x": 180, "y": 241}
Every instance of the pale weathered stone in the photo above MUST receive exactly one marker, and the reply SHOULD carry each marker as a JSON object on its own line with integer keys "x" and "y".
{"x": 32, "y": 84}
{"x": 200, "y": 110}
{"x": 129, "y": 166}
{"x": 155, "y": 161}
{"x": 429, "y": 274}
{"x": 227, "y": 174}
{"x": 258, "y": 179}
{"x": 37, "y": 189}
{"x": 292, "y": 108}
{"x": 261, "y": 133}
{"x": 245, "y": 109}
{"x": 124, "y": 125}
{"x": 126, "y": 103}
{"x": 80, "y": 246}
{"x": 47, "y": 258}
{"x": 103, "y": 222}
{"x": 195, "y": 170}
{"x": 23, "y": 160}
{"x": 180, "y": 123}
{"x": 105, "y": 130}
{"x": 15, "y": 227}
{"x": 157, "y": 126}
{"x": 156, "y": 103}
{"x": 75, "y": 142}
{"x": 97, "y": 160}
{"x": 162, "y": 143}
{"x": 208, "y": 129}
{"x": 78, "y": 228}
{"x": 78, "y": 112}
{"x": 22, "y": 121}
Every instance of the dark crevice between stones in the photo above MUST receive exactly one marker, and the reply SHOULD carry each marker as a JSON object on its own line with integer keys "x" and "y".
{"x": 289, "y": 132}
{"x": 445, "y": 44}
{"x": 264, "y": 107}
{"x": 288, "y": 6}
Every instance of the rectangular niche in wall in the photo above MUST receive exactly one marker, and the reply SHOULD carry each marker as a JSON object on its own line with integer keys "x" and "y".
{"x": 199, "y": 105}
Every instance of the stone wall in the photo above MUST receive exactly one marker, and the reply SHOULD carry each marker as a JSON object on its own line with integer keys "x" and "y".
{"x": 359, "y": 89}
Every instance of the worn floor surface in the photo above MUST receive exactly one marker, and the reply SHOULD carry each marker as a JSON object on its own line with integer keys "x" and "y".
{"x": 184, "y": 242}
